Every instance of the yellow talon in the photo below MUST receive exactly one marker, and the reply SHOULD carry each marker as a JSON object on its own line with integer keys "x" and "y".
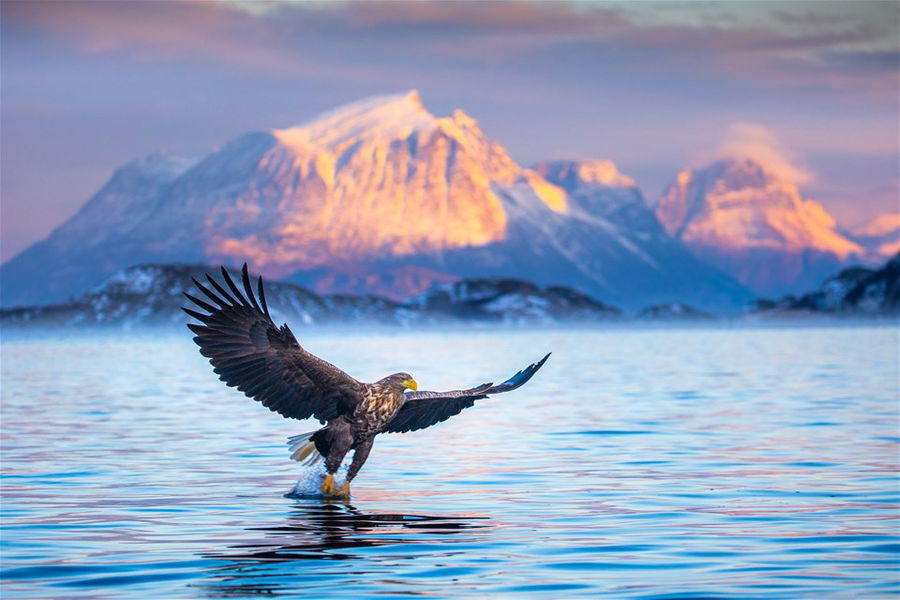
{"x": 344, "y": 492}
{"x": 328, "y": 485}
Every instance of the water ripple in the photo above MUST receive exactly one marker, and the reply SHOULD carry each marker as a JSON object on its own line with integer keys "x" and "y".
{"x": 693, "y": 463}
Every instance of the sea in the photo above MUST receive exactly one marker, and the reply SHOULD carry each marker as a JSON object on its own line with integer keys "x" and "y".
{"x": 718, "y": 461}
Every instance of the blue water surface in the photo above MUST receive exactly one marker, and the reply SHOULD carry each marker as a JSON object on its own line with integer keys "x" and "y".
{"x": 640, "y": 463}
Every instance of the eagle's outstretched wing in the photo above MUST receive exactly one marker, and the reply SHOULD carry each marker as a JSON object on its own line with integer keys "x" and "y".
{"x": 266, "y": 362}
{"x": 424, "y": 409}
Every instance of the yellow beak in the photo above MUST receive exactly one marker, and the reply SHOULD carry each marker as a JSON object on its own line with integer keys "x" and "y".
{"x": 411, "y": 384}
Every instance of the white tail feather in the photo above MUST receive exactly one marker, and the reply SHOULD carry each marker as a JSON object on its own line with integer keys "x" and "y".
{"x": 303, "y": 450}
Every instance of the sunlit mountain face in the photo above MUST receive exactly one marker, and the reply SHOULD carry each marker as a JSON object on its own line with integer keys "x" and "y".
{"x": 741, "y": 217}
{"x": 379, "y": 196}
{"x": 382, "y": 177}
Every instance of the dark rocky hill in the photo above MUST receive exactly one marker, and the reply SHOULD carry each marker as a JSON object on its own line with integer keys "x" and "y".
{"x": 151, "y": 295}
{"x": 855, "y": 291}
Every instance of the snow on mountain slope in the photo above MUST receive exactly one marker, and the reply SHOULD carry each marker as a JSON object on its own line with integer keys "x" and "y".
{"x": 572, "y": 174}
{"x": 128, "y": 198}
{"x": 743, "y": 219}
{"x": 601, "y": 198}
{"x": 375, "y": 196}
{"x": 598, "y": 189}
{"x": 86, "y": 248}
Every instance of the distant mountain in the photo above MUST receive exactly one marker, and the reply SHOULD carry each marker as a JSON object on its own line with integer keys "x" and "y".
{"x": 598, "y": 188}
{"x": 855, "y": 291}
{"x": 599, "y": 194}
{"x": 376, "y": 197}
{"x": 151, "y": 295}
{"x": 880, "y": 236}
{"x": 675, "y": 311}
{"x": 742, "y": 218}
{"x": 511, "y": 301}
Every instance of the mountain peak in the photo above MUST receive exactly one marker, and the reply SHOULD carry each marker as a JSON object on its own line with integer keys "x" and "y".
{"x": 414, "y": 97}
{"x": 408, "y": 104}
{"x": 392, "y": 116}
{"x": 740, "y": 173}
{"x": 748, "y": 220}
{"x": 738, "y": 163}
{"x": 571, "y": 173}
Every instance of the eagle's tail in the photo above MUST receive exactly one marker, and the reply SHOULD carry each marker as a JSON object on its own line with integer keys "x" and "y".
{"x": 303, "y": 448}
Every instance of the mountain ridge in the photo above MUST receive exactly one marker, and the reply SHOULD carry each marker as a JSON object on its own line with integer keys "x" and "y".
{"x": 152, "y": 295}
{"x": 378, "y": 195}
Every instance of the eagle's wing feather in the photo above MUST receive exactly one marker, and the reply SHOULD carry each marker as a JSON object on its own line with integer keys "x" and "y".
{"x": 424, "y": 409}
{"x": 248, "y": 351}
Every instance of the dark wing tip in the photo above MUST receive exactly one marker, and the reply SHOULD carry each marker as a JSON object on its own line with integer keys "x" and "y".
{"x": 248, "y": 289}
{"x": 207, "y": 307}
{"x": 262, "y": 296}
{"x": 198, "y": 329}
{"x": 226, "y": 300}
{"x": 234, "y": 288}
{"x": 520, "y": 378}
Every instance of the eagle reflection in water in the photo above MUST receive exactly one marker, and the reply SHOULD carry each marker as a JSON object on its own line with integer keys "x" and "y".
{"x": 270, "y": 561}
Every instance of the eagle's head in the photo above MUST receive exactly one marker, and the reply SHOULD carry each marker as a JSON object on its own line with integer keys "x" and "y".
{"x": 401, "y": 381}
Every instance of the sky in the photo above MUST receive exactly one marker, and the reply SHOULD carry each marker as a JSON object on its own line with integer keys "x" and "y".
{"x": 810, "y": 86}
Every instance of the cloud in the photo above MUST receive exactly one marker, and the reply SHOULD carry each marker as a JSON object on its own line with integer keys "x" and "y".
{"x": 143, "y": 29}
{"x": 784, "y": 42}
{"x": 511, "y": 16}
{"x": 753, "y": 141}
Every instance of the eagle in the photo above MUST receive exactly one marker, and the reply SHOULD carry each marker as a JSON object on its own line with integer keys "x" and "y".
{"x": 267, "y": 363}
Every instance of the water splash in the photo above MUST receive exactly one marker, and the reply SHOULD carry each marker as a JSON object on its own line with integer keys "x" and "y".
{"x": 310, "y": 483}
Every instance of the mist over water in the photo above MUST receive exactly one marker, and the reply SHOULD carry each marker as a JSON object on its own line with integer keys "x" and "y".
{"x": 639, "y": 463}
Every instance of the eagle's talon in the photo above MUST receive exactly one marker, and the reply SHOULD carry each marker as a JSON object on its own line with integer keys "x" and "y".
{"x": 328, "y": 485}
{"x": 344, "y": 491}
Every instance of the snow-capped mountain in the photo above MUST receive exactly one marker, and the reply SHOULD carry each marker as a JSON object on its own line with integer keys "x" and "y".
{"x": 880, "y": 236}
{"x": 602, "y": 199}
{"x": 745, "y": 220}
{"x": 378, "y": 196}
{"x": 596, "y": 187}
